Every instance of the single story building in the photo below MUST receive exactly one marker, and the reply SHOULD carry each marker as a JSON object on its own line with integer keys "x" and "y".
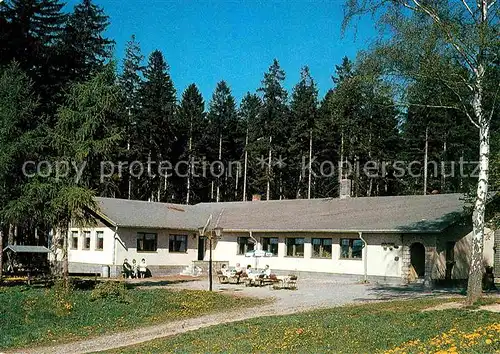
{"x": 390, "y": 238}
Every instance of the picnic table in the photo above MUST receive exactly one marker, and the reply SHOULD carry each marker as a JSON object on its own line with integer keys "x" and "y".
{"x": 285, "y": 282}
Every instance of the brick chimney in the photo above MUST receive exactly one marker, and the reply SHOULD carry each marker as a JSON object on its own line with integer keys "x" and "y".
{"x": 345, "y": 188}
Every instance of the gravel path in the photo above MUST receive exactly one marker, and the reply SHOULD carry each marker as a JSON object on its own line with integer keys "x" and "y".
{"x": 312, "y": 294}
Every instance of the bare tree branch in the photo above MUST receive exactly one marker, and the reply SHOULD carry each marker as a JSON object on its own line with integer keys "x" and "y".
{"x": 468, "y": 9}
{"x": 452, "y": 40}
{"x": 494, "y": 103}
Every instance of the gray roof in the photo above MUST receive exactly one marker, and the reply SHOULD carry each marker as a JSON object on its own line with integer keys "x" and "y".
{"x": 430, "y": 213}
{"x": 141, "y": 214}
{"x": 27, "y": 249}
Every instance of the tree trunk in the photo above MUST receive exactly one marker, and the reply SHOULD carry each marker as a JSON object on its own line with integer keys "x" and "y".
{"x": 65, "y": 261}
{"x": 443, "y": 169}
{"x": 310, "y": 165}
{"x": 10, "y": 237}
{"x": 1, "y": 253}
{"x": 426, "y": 157}
{"x": 218, "y": 178}
{"x": 474, "y": 286}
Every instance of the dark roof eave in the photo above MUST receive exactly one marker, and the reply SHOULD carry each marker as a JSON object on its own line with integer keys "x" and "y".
{"x": 338, "y": 231}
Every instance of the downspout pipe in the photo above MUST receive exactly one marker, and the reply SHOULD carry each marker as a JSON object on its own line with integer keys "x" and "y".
{"x": 114, "y": 246}
{"x": 365, "y": 256}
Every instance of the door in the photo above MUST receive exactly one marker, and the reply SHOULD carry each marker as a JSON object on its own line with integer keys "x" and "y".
{"x": 417, "y": 259}
{"x": 201, "y": 248}
{"x": 450, "y": 259}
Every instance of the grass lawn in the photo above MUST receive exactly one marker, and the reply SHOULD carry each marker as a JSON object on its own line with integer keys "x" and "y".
{"x": 35, "y": 316}
{"x": 390, "y": 327}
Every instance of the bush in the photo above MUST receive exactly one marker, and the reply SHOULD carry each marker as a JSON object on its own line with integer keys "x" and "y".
{"x": 110, "y": 290}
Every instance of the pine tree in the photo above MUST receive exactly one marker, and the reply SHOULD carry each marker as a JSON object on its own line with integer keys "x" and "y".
{"x": 84, "y": 47}
{"x": 156, "y": 126}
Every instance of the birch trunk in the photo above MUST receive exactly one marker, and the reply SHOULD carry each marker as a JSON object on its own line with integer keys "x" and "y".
{"x": 474, "y": 286}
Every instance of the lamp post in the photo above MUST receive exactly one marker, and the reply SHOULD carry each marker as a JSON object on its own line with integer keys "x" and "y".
{"x": 217, "y": 232}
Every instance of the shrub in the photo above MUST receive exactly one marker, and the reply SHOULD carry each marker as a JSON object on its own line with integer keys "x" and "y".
{"x": 111, "y": 290}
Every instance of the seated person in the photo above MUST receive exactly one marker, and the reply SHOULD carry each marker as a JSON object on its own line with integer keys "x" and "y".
{"x": 224, "y": 270}
{"x": 249, "y": 270}
{"x": 267, "y": 271}
{"x": 238, "y": 269}
{"x": 126, "y": 269}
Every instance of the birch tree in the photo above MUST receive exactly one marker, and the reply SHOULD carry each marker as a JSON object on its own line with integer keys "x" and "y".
{"x": 467, "y": 31}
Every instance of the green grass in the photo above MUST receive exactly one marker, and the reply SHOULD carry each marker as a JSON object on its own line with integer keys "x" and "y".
{"x": 31, "y": 316}
{"x": 367, "y": 328}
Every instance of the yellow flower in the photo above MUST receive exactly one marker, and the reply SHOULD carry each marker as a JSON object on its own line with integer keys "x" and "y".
{"x": 488, "y": 341}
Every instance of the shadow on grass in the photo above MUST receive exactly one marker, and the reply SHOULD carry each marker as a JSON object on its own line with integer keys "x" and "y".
{"x": 158, "y": 282}
{"x": 394, "y": 292}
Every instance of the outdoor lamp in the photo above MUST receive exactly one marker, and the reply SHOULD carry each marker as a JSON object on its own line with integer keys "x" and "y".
{"x": 201, "y": 231}
{"x": 218, "y": 232}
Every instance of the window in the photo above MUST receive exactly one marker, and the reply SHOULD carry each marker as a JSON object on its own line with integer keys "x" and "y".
{"x": 74, "y": 240}
{"x": 99, "y": 240}
{"x": 177, "y": 243}
{"x": 351, "y": 248}
{"x": 146, "y": 242}
{"x": 86, "y": 240}
{"x": 295, "y": 247}
{"x": 322, "y": 247}
{"x": 245, "y": 244}
{"x": 270, "y": 244}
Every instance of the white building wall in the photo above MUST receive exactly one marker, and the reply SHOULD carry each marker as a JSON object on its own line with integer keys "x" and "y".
{"x": 380, "y": 262}
{"x": 162, "y": 256}
{"x": 92, "y": 255}
{"x": 125, "y": 246}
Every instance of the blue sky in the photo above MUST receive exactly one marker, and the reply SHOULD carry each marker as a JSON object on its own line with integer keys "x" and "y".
{"x": 208, "y": 41}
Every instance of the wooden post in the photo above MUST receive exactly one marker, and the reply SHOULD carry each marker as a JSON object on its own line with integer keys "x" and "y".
{"x": 210, "y": 280}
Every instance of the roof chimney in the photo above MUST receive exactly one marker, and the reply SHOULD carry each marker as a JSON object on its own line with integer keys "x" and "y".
{"x": 345, "y": 188}
{"x": 256, "y": 197}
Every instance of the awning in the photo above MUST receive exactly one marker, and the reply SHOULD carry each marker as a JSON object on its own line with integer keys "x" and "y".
{"x": 26, "y": 249}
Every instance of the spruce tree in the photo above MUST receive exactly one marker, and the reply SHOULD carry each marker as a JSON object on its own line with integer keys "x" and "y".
{"x": 84, "y": 48}
{"x": 191, "y": 125}
{"x": 222, "y": 118}
{"x": 156, "y": 126}
{"x": 31, "y": 31}
{"x": 130, "y": 82}
{"x": 303, "y": 107}
{"x": 274, "y": 117}
{"x": 249, "y": 111}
